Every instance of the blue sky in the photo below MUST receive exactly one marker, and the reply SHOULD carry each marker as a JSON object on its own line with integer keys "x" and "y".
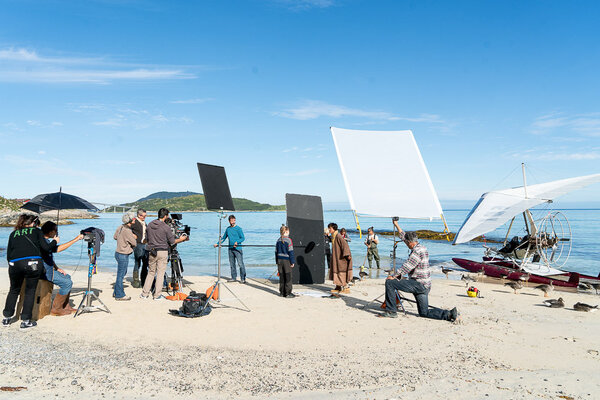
{"x": 117, "y": 99}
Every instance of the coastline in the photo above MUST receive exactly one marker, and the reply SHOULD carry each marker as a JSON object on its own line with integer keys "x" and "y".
{"x": 307, "y": 347}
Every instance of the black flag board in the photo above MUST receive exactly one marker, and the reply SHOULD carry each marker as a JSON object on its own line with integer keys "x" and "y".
{"x": 305, "y": 220}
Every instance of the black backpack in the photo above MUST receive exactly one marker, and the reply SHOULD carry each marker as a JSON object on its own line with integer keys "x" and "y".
{"x": 195, "y": 305}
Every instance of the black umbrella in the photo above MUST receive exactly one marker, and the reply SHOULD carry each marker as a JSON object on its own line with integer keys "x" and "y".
{"x": 57, "y": 201}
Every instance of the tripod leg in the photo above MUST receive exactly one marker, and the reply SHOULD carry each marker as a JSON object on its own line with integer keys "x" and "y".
{"x": 100, "y": 301}
{"x": 374, "y": 300}
{"x": 238, "y": 299}
{"x": 79, "y": 309}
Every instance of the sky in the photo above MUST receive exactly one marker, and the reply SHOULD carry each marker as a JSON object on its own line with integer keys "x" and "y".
{"x": 113, "y": 100}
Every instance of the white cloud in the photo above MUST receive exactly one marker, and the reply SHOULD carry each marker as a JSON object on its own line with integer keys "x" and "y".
{"x": 304, "y": 173}
{"x": 22, "y": 65}
{"x": 115, "y": 116}
{"x": 41, "y": 167}
{"x": 584, "y": 124}
{"x": 557, "y": 155}
{"x": 192, "y": 101}
{"x": 33, "y": 123}
{"x": 312, "y": 109}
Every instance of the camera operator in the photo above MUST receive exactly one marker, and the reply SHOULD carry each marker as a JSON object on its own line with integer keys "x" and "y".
{"x": 160, "y": 239}
{"x": 60, "y": 305}
{"x": 140, "y": 253}
{"x": 126, "y": 242}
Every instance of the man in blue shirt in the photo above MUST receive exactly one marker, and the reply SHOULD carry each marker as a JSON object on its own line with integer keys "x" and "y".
{"x": 236, "y": 236}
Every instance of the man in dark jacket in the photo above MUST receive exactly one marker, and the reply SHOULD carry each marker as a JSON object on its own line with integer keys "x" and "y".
{"x": 160, "y": 240}
{"x": 140, "y": 253}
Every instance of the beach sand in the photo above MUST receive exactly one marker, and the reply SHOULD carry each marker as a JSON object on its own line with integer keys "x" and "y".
{"x": 506, "y": 346}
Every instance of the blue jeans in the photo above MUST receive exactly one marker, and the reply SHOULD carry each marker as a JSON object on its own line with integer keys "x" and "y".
{"x": 63, "y": 281}
{"x": 236, "y": 254}
{"x": 122, "y": 263}
{"x": 421, "y": 296}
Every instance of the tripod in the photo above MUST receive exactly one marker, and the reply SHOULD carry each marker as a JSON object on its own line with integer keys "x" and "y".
{"x": 217, "y": 285}
{"x": 89, "y": 294}
{"x": 176, "y": 270}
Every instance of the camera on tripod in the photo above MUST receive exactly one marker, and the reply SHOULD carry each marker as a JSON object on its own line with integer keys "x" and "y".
{"x": 89, "y": 237}
{"x": 177, "y": 227}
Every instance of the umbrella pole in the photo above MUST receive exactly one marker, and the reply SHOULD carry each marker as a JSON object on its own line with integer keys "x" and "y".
{"x": 59, "y": 206}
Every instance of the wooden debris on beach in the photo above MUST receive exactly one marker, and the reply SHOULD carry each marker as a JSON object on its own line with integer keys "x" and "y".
{"x": 12, "y": 388}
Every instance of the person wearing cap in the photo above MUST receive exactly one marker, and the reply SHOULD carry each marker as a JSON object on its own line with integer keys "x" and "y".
{"x": 126, "y": 242}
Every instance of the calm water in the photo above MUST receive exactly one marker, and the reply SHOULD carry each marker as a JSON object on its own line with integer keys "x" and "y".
{"x": 262, "y": 228}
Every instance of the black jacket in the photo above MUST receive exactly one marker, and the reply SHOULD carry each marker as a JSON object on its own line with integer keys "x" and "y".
{"x": 138, "y": 230}
{"x": 27, "y": 242}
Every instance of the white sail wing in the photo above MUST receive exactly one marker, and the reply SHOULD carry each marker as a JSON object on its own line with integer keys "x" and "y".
{"x": 496, "y": 208}
{"x": 384, "y": 174}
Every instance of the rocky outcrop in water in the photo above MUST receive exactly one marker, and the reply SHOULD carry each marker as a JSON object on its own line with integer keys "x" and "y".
{"x": 9, "y": 218}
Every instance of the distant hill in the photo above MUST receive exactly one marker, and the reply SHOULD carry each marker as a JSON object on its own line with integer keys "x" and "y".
{"x": 166, "y": 195}
{"x": 8, "y": 204}
{"x": 195, "y": 202}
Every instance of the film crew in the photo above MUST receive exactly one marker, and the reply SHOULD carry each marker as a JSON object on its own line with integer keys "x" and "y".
{"x": 160, "y": 239}
{"x": 418, "y": 282}
{"x": 126, "y": 242}
{"x": 285, "y": 260}
{"x": 140, "y": 254}
{"x": 24, "y": 254}
{"x": 235, "y": 234}
{"x": 60, "y": 305}
{"x": 340, "y": 271}
{"x": 372, "y": 251}
{"x": 345, "y": 235}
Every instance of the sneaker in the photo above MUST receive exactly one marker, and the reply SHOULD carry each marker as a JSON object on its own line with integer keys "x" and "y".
{"x": 290, "y": 296}
{"x": 143, "y": 297}
{"x": 124, "y": 298}
{"x": 453, "y": 315}
{"x": 243, "y": 281}
{"x": 6, "y": 322}
{"x": 28, "y": 324}
{"x": 231, "y": 280}
{"x": 160, "y": 298}
{"x": 388, "y": 315}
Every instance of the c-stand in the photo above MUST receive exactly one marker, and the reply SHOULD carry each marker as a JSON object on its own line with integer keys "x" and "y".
{"x": 89, "y": 294}
{"x": 217, "y": 285}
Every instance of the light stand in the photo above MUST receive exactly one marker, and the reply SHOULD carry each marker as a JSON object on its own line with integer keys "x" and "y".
{"x": 217, "y": 285}
{"x": 89, "y": 294}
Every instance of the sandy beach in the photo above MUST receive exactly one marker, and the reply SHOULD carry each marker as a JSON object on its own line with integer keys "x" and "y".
{"x": 505, "y": 346}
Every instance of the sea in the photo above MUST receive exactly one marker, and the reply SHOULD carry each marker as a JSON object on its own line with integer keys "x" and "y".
{"x": 199, "y": 257}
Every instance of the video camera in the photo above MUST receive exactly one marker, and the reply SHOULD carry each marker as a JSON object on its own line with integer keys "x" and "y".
{"x": 177, "y": 227}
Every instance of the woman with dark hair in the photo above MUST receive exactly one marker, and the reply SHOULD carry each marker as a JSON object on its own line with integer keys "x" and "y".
{"x": 60, "y": 305}
{"x": 24, "y": 253}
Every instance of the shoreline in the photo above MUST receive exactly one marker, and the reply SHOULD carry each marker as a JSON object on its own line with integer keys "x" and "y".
{"x": 307, "y": 347}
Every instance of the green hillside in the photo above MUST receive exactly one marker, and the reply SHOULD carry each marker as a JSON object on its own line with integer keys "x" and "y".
{"x": 197, "y": 203}
{"x": 8, "y": 205}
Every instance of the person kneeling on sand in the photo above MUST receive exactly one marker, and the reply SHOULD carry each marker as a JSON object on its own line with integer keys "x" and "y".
{"x": 284, "y": 257}
{"x": 418, "y": 283}
{"x": 60, "y": 305}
